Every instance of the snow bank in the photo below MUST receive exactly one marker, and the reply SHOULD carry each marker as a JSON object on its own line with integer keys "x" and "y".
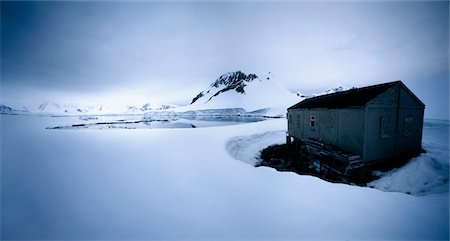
{"x": 422, "y": 175}
{"x": 248, "y": 148}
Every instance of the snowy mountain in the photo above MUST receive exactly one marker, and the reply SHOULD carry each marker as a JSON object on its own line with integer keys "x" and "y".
{"x": 327, "y": 91}
{"x": 152, "y": 106}
{"x": 149, "y": 107}
{"x": 331, "y": 90}
{"x": 239, "y": 90}
{"x": 228, "y": 82}
{"x": 75, "y": 108}
{"x": 9, "y": 110}
{"x": 232, "y": 90}
{"x": 57, "y": 108}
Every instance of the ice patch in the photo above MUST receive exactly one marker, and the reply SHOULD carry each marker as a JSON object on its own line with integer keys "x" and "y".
{"x": 247, "y": 148}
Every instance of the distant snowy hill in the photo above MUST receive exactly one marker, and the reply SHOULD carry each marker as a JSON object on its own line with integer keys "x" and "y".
{"x": 252, "y": 94}
{"x": 8, "y": 110}
{"x": 327, "y": 91}
{"x": 56, "y": 108}
{"x": 150, "y": 107}
{"x": 239, "y": 90}
{"x": 332, "y": 90}
{"x": 59, "y": 108}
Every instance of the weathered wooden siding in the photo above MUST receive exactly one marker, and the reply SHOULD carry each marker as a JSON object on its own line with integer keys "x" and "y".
{"x": 410, "y": 124}
{"x": 294, "y": 123}
{"x": 351, "y": 130}
{"x": 309, "y": 132}
{"x": 341, "y": 127}
{"x": 381, "y": 119}
{"x": 300, "y": 124}
{"x": 394, "y": 125}
{"x": 328, "y": 125}
{"x": 380, "y": 133}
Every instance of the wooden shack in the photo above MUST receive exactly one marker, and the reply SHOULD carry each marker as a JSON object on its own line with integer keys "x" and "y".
{"x": 378, "y": 123}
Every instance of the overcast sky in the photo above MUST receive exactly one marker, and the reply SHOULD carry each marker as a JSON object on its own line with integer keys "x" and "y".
{"x": 168, "y": 52}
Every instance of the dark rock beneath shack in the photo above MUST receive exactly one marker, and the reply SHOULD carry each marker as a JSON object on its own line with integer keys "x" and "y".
{"x": 282, "y": 158}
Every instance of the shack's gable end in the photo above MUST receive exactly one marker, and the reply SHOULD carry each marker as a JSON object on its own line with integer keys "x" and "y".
{"x": 388, "y": 98}
{"x": 409, "y": 99}
{"x": 396, "y": 95}
{"x": 394, "y": 123}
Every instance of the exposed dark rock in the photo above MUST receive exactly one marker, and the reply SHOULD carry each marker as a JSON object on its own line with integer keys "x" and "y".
{"x": 231, "y": 81}
{"x": 283, "y": 158}
{"x": 197, "y": 97}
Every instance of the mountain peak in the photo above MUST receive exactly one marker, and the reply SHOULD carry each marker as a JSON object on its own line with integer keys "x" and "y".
{"x": 246, "y": 91}
{"x": 234, "y": 80}
{"x": 229, "y": 81}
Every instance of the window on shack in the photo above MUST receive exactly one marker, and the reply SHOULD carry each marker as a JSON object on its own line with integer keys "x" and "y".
{"x": 407, "y": 126}
{"x": 384, "y": 127}
{"x": 312, "y": 121}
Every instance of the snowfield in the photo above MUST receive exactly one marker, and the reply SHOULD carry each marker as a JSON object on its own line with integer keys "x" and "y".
{"x": 175, "y": 184}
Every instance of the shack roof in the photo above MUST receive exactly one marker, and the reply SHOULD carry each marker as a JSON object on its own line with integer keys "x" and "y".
{"x": 344, "y": 99}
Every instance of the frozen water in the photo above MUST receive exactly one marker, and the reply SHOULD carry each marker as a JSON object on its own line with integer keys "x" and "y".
{"x": 170, "y": 120}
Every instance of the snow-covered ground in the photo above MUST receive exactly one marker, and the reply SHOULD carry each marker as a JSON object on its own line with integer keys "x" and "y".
{"x": 180, "y": 184}
{"x": 423, "y": 175}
